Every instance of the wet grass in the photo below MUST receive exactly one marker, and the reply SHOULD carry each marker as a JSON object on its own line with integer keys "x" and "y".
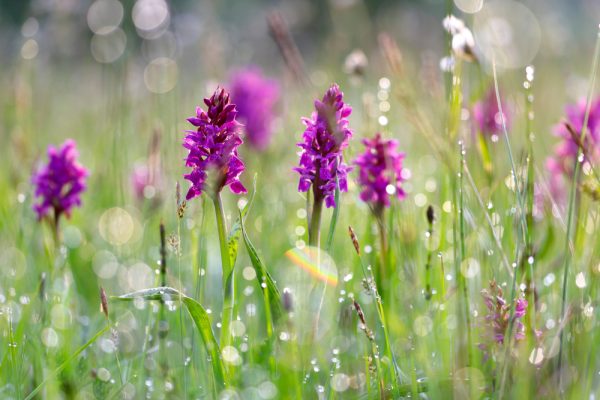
{"x": 224, "y": 298}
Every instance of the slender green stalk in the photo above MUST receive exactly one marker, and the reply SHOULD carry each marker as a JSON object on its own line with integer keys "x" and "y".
{"x": 528, "y": 259}
{"x": 524, "y": 232}
{"x": 228, "y": 276}
{"x": 181, "y": 325}
{"x": 66, "y": 362}
{"x": 570, "y": 212}
{"x": 510, "y": 154}
{"x": 163, "y": 256}
{"x": 200, "y": 256}
{"x": 461, "y": 280}
{"x": 12, "y": 344}
{"x": 374, "y": 350}
{"x": 430, "y": 218}
{"x": 334, "y": 217}
{"x": 509, "y": 335}
{"x": 269, "y": 323}
{"x": 104, "y": 308}
{"x": 162, "y": 323}
{"x": 383, "y": 262}
{"x": 453, "y": 125}
{"x": 497, "y": 241}
{"x": 314, "y": 240}
{"x": 371, "y": 283}
{"x": 314, "y": 232}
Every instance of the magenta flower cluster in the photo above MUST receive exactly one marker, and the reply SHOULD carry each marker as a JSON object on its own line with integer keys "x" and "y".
{"x": 325, "y": 137}
{"x": 213, "y": 147}
{"x": 255, "y": 97}
{"x": 59, "y": 184}
{"x": 146, "y": 182}
{"x": 562, "y": 162}
{"x": 565, "y": 153}
{"x": 380, "y": 171}
{"x": 498, "y": 317}
{"x": 140, "y": 179}
{"x": 487, "y": 115}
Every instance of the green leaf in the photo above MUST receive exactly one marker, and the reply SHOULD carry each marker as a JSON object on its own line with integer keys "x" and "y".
{"x": 234, "y": 234}
{"x": 484, "y": 153}
{"x": 270, "y": 291}
{"x": 199, "y": 316}
{"x": 54, "y": 373}
{"x": 546, "y": 244}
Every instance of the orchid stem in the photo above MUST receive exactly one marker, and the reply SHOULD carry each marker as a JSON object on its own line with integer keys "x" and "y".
{"x": 314, "y": 233}
{"x": 228, "y": 276}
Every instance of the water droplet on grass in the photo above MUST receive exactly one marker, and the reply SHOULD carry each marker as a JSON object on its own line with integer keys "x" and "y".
{"x": 580, "y": 280}
{"x": 537, "y": 356}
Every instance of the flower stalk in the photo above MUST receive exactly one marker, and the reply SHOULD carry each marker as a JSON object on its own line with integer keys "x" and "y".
{"x": 314, "y": 232}
{"x": 228, "y": 276}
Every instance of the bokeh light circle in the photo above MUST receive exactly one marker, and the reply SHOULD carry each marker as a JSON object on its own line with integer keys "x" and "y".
{"x": 507, "y": 33}
{"x": 104, "y": 16}
{"x": 470, "y": 268}
{"x": 30, "y": 49}
{"x": 164, "y": 45}
{"x": 14, "y": 263}
{"x": 160, "y": 75}
{"x": 61, "y": 316}
{"x": 469, "y": 383}
{"x": 137, "y": 277}
{"x": 469, "y": 6}
{"x": 116, "y": 226}
{"x": 107, "y": 48}
{"x": 309, "y": 281}
{"x": 150, "y": 17}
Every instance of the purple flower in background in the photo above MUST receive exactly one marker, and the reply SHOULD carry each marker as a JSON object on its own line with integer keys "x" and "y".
{"x": 325, "y": 137}
{"x": 213, "y": 146}
{"x": 146, "y": 177}
{"x": 561, "y": 163}
{"x": 487, "y": 116}
{"x": 255, "y": 96}
{"x": 498, "y": 317}
{"x": 566, "y": 151}
{"x": 380, "y": 171}
{"x": 140, "y": 178}
{"x": 520, "y": 309}
{"x": 59, "y": 184}
{"x": 146, "y": 182}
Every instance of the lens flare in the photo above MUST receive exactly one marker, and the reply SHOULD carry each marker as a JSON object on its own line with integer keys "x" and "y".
{"x": 316, "y": 262}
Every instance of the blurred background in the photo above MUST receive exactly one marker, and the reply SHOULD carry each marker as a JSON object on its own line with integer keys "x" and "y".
{"x": 121, "y": 77}
{"x": 80, "y": 31}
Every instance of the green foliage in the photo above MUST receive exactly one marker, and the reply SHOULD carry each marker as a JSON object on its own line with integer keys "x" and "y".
{"x": 198, "y": 315}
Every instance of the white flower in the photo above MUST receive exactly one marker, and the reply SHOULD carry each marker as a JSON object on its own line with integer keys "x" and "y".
{"x": 447, "y": 64}
{"x": 356, "y": 63}
{"x": 453, "y": 25}
{"x": 463, "y": 43}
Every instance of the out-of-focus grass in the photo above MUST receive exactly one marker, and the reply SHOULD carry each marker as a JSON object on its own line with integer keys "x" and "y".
{"x": 49, "y": 296}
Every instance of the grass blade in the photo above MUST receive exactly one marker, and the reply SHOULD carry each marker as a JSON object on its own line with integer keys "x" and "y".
{"x": 271, "y": 292}
{"x": 199, "y": 316}
{"x": 236, "y": 228}
{"x": 62, "y": 366}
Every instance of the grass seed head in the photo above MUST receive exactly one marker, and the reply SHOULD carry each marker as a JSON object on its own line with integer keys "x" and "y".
{"x": 354, "y": 240}
{"x": 103, "y": 302}
{"x": 430, "y": 215}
